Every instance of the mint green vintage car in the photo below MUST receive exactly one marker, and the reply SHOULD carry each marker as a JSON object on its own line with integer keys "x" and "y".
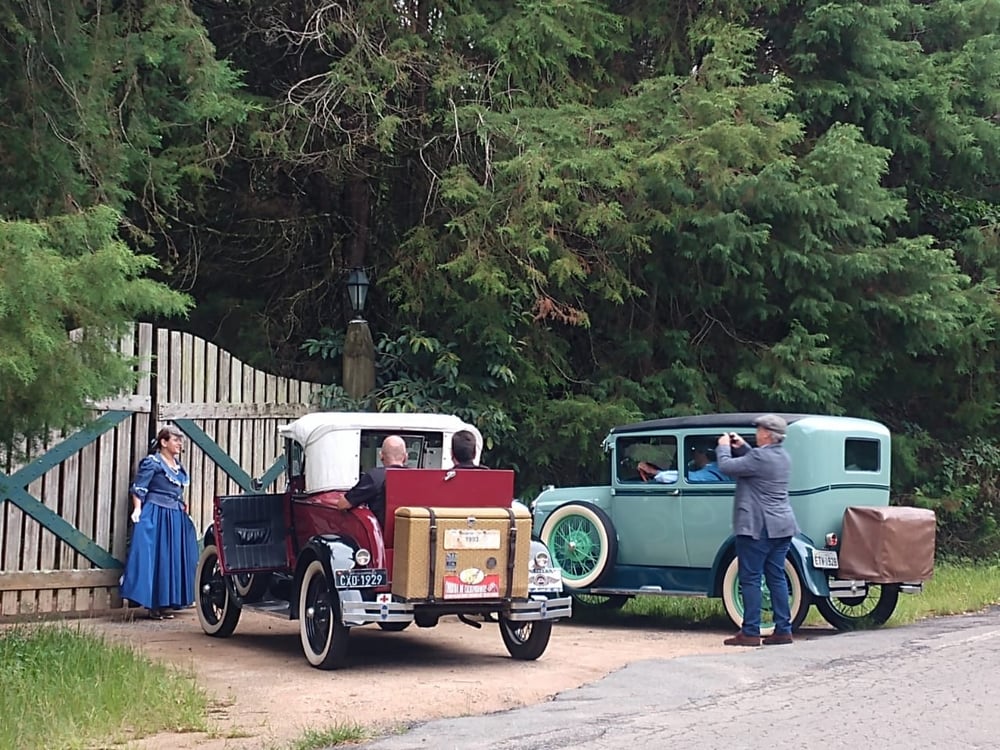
{"x": 663, "y": 525}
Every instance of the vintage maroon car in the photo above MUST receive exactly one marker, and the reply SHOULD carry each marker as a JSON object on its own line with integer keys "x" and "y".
{"x": 454, "y": 543}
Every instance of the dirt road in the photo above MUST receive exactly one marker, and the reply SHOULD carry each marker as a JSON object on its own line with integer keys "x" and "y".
{"x": 267, "y": 695}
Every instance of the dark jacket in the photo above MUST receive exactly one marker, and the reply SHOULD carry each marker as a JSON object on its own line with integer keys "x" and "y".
{"x": 370, "y": 491}
{"x": 760, "y": 505}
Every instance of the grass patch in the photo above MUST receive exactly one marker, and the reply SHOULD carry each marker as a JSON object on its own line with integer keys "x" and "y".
{"x": 64, "y": 687}
{"x": 338, "y": 734}
{"x": 956, "y": 588}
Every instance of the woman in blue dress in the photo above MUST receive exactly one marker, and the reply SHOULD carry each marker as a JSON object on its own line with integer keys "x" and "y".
{"x": 160, "y": 568}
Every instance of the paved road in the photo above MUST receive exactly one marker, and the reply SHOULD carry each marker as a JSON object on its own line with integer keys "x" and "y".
{"x": 935, "y": 684}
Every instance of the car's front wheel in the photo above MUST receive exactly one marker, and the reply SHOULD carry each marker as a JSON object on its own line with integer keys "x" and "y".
{"x": 324, "y": 636}
{"x": 525, "y": 640}
{"x": 870, "y": 609}
{"x": 218, "y": 611}
{"x": 582, "y": 541}
{"x": 799, "y": 598}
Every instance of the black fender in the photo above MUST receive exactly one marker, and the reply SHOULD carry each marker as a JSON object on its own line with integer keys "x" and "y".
{"x": 209, "y": 536}
{"x": 328, "y": 549}
{"x": 814, "y": 580}
{"x": 209, "y": 539}
{"x": 722, "y": 557}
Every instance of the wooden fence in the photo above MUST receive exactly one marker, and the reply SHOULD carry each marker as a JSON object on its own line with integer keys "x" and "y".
{"x": 64, "y": 511}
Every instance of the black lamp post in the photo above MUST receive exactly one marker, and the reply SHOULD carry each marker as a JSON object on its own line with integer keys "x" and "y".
{"x": 357, "y": 291}
{"x": 359, "y": 348}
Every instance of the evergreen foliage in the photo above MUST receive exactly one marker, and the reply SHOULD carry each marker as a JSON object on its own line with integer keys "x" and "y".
{"x": 576, "y": 213}
{"x": 110, "y": 115}
{"x": 767, "y": 206}
{"x": 60, "y": 275}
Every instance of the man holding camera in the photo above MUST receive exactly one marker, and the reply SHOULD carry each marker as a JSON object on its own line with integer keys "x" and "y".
{"x": 764, "y": 524}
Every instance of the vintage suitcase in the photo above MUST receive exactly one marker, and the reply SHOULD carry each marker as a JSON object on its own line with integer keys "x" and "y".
{"x": 450, "y": 488}
{"x": 461, "y": 554}
{"x": 884, "y": 544}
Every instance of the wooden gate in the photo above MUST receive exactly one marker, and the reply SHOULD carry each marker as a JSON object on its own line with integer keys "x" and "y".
{"x": 64, "y": 511}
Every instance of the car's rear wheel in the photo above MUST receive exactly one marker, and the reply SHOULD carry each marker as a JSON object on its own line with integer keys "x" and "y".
{"x": 799, "y": 598}
{"x": 581, "y": 539}
{"x": 324, "y": 636}
{"x": 869, "y": 610}
{"x": 525, "y": 640}
{"x": 218, "y": 612}
{"x": 607, "y": 602}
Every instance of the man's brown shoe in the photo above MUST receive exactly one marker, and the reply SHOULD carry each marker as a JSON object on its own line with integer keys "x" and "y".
{"x": 778, "y": 639}
{"x": 742, "y": 639}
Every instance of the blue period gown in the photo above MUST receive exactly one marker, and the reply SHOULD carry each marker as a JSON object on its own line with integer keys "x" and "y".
{"x": 163, "y": 557}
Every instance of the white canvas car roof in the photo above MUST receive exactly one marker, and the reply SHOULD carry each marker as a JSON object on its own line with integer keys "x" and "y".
{"x": 331, "y": 441}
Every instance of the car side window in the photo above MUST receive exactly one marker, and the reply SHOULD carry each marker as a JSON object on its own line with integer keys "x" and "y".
{"x": 861, "y": 455}
{"x": 650, "y": 458}
{"x": 414, "y": 450}
{"x": 701, "y": 464}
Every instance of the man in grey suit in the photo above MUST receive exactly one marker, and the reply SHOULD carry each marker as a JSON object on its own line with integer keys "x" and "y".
{"x": 763, "y": 523}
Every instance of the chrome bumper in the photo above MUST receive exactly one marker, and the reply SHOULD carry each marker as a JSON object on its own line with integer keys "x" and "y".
{"x": 540, "y": 609}
{"x": 358, "y": 612}
{"x": 845, "y": 589}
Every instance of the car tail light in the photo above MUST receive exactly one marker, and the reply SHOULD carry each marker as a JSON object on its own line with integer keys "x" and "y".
{"x": 832, "y": 540}
{"x": 362, "y": 557}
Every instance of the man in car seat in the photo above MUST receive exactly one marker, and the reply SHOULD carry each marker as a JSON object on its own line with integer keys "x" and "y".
{"x": 648, "y": 470}
{"x": 702, "y": 468}
{"x": 370, "y": 489}
{"x": 463, "y": 450}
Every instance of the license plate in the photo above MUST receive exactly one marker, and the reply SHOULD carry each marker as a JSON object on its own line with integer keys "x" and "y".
{"x": 825, "y": 559}
{"x": 360, "y": 579}
{"x": 472, "y": 539}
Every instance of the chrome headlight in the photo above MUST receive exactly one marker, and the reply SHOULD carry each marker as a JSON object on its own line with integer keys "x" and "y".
{"x": 362, "y": 556}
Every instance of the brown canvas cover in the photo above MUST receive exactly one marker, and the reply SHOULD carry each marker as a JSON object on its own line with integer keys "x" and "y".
{"x": 883, "y": 544}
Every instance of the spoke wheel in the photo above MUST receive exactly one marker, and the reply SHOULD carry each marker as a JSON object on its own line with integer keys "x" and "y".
{"x": 324, "y": 636}
{"x": 799, "y": 598}
{"x": 582, "y": 540}
{"x": 525, "y": 640}
{"x": 869, "y": 610}
{"x": 218, "y": 612}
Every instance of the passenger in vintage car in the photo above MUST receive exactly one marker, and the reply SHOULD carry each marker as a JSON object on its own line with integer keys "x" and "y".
{"x": 703, "y": 468}
{"x": 463, "y": 450}
{"x": 370, "y": 489}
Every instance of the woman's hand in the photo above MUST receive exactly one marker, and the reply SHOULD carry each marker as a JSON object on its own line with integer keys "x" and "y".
{"x": 136, "y": 512}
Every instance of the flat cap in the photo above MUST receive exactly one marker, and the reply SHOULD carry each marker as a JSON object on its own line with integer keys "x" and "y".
{"x": 772, "y": 422}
